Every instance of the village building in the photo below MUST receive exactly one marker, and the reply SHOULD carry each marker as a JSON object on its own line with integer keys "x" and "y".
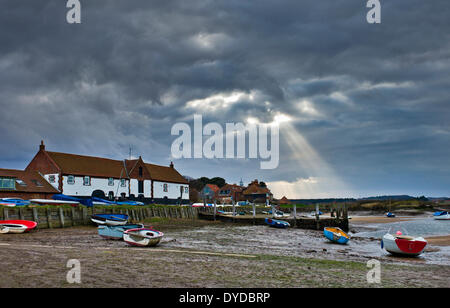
{"x": 284, "y": 201}
{"x": 88, "y": 176}
{"x": 257, "y": 193}
{"x": 25, "y": 185}
{"x": 230, "y": 192}
{"x": 209, "y": 192}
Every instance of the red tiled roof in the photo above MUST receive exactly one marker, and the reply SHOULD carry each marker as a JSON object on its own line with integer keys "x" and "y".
{"x": 256, "y": 190}
{"x": 165, "y": 174}
{"x": 88, "y": 165}
{"x": 213, "y": 187}
{"x": 31, "y": 179}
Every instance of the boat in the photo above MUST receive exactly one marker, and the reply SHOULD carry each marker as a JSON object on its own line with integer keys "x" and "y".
{"x": 389, "y": 214}
{"x": 16, "y": 226}
{"x": 399, "y": 244}
{"x": 53, "y": 202}
{"x": 12, "y": 202}
{"x": 142, "y": 237}
{"x": 443, "y": 215}
{"x": 129, "y": 203}
{"x": 277, "y": 223}
{"x": 116, "y": 232}
{"x": 85, "y": 201}
{"x": 336, "y": 235}
{"x": 110, "y": 219}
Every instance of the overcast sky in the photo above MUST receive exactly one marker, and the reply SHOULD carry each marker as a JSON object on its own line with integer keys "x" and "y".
{"x": 368, "y": 103}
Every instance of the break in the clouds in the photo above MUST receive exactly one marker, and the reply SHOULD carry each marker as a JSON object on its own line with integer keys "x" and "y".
{"x": 368, "y": 104}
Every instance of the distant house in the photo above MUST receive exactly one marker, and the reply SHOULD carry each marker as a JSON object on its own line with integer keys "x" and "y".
{"x": 209, "y": 192}
{"x": 257, "y": 193}
{"x": 25, "y": 185}
{"x": 284, "y": 201}
{"x": 230, "y": 192}
{"x": 86, "y": 176}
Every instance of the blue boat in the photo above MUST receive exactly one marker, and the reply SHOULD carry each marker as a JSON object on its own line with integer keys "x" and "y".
{"x": 389, "y": 214}
{"x": 110, "y": 219}
{"x": 336, "y": 235}
{"x": 16, "y": 201}
{"x": 116, "y": 232}
{"x": 277, "y": 223}
{"x": 62, "y": 197}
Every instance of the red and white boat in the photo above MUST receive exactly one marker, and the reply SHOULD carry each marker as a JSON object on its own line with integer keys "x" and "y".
{"x": 16, "y": 226}
{"x": 399, "y": 244}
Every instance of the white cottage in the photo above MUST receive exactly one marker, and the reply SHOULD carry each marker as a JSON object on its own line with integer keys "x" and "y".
{"x": 86, "y": 176}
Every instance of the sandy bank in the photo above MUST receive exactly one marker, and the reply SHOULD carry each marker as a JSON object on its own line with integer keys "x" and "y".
{"x": 377, "y": 219}
{"x": 439, "y": 240}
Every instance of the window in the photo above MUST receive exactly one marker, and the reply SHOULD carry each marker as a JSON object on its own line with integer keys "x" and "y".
{"x": 37, "y": 183}
{"x": 21, "y": 183}
{"x": 110, "y": 182}
{"x": 140, "y": 187}
{"x": 87, "y": 181}
{"x": 7, "y": 183}
{"x": 186, "y": 189}
{"x": 123, "y": 183}
{"x": 165, "y": 188}
{"x": 70, "y": 180}
{"x": 51, "y": 178}
{"x": 140, "y": 171}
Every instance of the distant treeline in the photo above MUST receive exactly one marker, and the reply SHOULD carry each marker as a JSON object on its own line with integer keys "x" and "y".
{"x": 343, "y": 200}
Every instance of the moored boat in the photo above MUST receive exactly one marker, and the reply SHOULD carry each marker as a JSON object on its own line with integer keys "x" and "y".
{"x": 399, "y": 244}
{"x": 389, "y": 214}
{"x": 54, "y": 202}
{"x": 116, "y": 232}
{"x": 16, "y": 226}
{"x": 336, "y": 235}
{"x": 443, "y": 215}
{"x": 110, "y": 219}
{"x": 277, "y": 223}
{"x": 12, "y": 202}
{"x": 142, "y": 237}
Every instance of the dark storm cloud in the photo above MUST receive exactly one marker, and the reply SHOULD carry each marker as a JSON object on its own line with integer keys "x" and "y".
{"x": 367, "y": 97}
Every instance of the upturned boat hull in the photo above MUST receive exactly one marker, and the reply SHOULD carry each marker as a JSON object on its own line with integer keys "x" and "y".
{"x": 116, "y": 232}
{"x": 110, "y": 219}
{"x": 277, "y": 223}
{"x": 16, "y": 226}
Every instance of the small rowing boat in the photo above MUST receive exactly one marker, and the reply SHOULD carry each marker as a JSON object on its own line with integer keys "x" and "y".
{"x": 443, "y": 215}
{"x": 16, "y": 226}
{"x": 142, "y": 237}
{"x": 399, "y": 244}
{"x": 13, "y": 202}
{"x": 110, "y": 219}
{"x": 116, "y": 232}
{"x": 389, "y": 214}
{"x": 336, "y": 235}
{"x": 54, "y": 202}
{"x": 275, "y": 223}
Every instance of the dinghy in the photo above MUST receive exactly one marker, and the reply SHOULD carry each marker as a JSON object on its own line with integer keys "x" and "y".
{"x": 116, "y": 232}
{"x": 110, "y": 219}
{"x": 389, "y": 214}
{"x": 336, "y": 235}
{"x": 444, "y": 215}
{"x": 399, "y": 244}
{"x": 12, "y": 202}
{"x": 54, "y": 202}
{"x": 16, "y": 226}
{"x": 277, "y": 223}
{"x": 142, "y": 237}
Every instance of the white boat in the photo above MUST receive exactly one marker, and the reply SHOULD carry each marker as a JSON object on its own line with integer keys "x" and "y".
{"x": 142, "y": 237}
{"x": 442, "y": 215}
{"x": 12, "y": 228}
{"x": 110, "y": 219}
{"x": 399, "y": 244}
{"x": 53, "y": 202}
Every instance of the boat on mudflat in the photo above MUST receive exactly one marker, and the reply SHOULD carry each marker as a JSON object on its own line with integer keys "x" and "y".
{"x": 443, "y": 215}
{"x": 54, "y": 202}
{"x": 336, "y": 235}
{"x": 16, "y": 226}
{"x": 13, "y": 202}
{"x": 110, "y": 219}
{"x": 277, "y": 223}
{"x": 142, "y": 237}
{"x": 404, "y": 245}
{"x": 116, "y": 232}
{"x": 389, "y": 214}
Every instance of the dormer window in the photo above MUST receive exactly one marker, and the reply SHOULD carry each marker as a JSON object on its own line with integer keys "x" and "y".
{"x": 87, "y": 181}
{"x": 37, "y": 183}
{"x": 51, "y": 178}
{"x": 21, "y": 183}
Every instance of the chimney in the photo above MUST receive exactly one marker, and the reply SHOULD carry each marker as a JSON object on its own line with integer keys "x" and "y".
{"x": 42, "y": 146}
{"x": 171, "y": 164}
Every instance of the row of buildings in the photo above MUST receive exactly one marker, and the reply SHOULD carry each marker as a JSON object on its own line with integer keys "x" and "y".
{"x": 51, "y": 173}
{"x": 254, "y": 192}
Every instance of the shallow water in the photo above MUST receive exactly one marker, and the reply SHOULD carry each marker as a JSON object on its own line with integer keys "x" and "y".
{"x": 294, "y": 242}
